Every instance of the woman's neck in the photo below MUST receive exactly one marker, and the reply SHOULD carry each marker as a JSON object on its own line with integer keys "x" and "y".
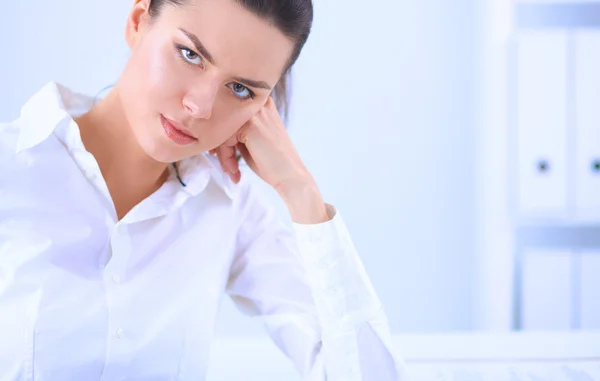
{"x": 130, "y": 174}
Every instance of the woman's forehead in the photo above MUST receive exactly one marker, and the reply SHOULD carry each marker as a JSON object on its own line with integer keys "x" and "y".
{"x": 236, "y": 38}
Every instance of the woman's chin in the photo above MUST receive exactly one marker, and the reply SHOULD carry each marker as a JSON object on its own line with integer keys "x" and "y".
{"x": 162, "y": 153}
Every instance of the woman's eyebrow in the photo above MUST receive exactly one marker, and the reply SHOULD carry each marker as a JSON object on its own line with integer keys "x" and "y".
{"x": 198, "y": 45}
{"x": 200, "y": 48}
{"x": 252, "y": 83}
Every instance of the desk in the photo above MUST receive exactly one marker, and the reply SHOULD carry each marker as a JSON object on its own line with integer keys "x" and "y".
{"x": 562, "y": 356}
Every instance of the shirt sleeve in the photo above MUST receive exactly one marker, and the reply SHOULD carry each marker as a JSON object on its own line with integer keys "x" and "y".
{"x": 309, "y": 287}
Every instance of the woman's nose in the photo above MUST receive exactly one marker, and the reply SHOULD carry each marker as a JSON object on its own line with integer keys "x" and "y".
{"x": 199, "y": 101}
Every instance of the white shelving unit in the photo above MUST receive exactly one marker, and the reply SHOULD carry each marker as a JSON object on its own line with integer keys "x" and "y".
{"x": 554, "y": 181}
{"x": 539, "y": 175}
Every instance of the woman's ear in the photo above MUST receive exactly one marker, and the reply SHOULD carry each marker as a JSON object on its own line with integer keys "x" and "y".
{"x": 137, "y": 21}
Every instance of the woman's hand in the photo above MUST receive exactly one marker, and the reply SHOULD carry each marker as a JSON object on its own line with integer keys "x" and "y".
{"x": 266, "y": 147}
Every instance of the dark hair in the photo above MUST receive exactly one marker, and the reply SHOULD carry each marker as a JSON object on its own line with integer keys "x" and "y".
{"x": 292, "y": 17}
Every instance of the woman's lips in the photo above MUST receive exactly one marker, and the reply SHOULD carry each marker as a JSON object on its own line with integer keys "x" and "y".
{"x": 175, "y": 134}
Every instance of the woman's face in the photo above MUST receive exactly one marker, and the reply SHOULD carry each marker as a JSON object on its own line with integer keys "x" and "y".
{"x": 204, "y": 68}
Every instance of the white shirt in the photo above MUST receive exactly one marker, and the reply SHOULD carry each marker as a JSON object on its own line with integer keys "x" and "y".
{"x": 86, "y": 297}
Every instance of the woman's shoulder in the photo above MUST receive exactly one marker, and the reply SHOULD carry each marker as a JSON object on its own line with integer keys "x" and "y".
{"x": 9, "y": 138}
{"x": 9, "y": 141}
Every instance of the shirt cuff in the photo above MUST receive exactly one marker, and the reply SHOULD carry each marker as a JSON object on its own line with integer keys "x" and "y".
{"x": 335, "y": 273}
{"x": 321, "y": 245}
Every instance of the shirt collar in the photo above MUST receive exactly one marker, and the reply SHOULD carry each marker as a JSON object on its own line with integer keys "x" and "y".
{"x": 196, "y": 171}
{"x": 47, "y": 109}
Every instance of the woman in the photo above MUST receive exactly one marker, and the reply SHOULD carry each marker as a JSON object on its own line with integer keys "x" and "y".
{"x": 122, "y": 223}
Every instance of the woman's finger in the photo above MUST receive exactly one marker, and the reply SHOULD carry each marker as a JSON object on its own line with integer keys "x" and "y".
{"x": 243, "y": 150}
{"x": 229, "y": 162}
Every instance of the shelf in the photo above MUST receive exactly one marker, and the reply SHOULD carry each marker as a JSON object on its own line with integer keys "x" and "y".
{"x": 567, "y": 14}
{"x": 574, "y": 237}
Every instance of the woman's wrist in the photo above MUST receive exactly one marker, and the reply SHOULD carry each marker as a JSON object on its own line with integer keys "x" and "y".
{"x": 304, "y": 201}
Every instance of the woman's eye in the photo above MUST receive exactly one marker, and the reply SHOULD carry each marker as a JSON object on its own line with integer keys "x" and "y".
{"x": 241, "y": 91}
{"x": 190, "y": 56}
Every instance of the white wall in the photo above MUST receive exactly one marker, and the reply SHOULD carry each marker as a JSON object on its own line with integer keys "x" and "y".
{"x": 383, "y": 114}
{"x": 495, "y": 234}
{"x": 385, "y": 118}
{"x": 77, "y": 43}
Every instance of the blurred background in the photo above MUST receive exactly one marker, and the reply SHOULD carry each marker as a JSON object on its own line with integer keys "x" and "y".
{"x": 460, "y": 140}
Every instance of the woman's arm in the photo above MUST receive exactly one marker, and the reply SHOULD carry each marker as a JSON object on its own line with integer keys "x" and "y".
{"x": 313, "y": 294}
{"x": 309, "y": 285}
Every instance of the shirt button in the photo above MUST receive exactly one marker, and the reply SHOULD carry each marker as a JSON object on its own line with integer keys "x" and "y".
{"x": 90, "y": 175}
{"x": 120, "y": 333}
{"x": 116, "y": 279}
{"x": 324, "y": 263}
{"x": 333, "y": 292}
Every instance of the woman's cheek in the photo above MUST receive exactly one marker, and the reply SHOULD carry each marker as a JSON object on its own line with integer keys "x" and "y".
{"x": 234, "y": 119}
{"x": 164, "y": 74}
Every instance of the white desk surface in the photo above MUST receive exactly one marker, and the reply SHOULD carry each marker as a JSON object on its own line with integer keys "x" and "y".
{"x": 537, "y": 356}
